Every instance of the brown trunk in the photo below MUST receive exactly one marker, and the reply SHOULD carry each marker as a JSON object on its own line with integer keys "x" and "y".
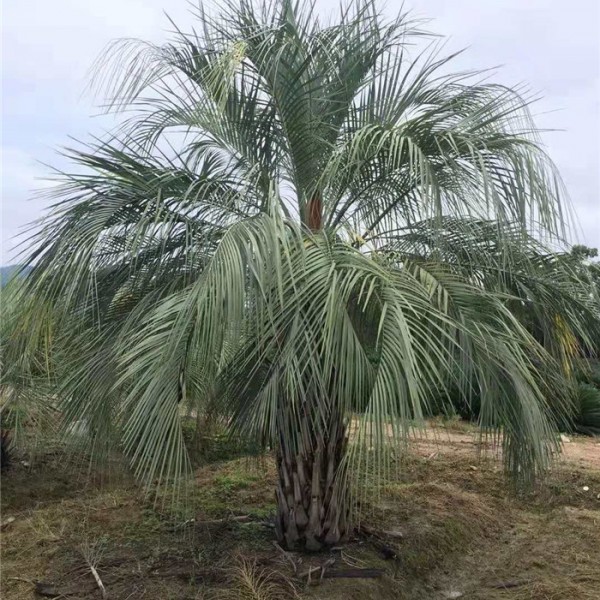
{"x": 312, "y": 511}
{"x": 315, "y": 211}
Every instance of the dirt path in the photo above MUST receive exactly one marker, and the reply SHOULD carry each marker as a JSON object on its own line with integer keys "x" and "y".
{"x": 580, "y": 450}
{"x": 583, "y": 451}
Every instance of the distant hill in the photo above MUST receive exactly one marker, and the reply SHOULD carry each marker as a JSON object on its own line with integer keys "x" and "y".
{"x": 10, "y": 271}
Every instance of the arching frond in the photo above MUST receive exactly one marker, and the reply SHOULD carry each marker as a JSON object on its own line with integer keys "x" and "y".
{"x": 304, "y": 222}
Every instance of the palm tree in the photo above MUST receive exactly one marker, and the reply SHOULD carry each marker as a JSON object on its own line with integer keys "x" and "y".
{"x": 308, "y": 227}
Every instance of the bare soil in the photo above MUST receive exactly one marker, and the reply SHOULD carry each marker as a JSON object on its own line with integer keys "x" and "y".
{"x": 459, "y": 438}
{"x": 448, "y": 526}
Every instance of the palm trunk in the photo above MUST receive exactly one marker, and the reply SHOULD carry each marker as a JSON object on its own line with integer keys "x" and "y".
{"x": 312, "y": 507}
{"x": 315, "y": 211}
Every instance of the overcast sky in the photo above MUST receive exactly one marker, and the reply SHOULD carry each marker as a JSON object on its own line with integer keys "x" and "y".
{"x": 49, "y": 45}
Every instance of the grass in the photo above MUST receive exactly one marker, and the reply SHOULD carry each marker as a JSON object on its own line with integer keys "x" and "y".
{"x": 462, "y": 531}
{"x": 250, "y": 581}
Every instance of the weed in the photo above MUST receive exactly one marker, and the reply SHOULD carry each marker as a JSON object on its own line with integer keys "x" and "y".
{"x": 249, "y": 581}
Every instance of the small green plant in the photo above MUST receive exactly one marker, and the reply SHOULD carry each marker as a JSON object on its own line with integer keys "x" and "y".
{"x": 587, "y": 416}
{"x": 234, "y": 481}
{"x": 585, "y": 412}
{"x": 590, "y": 373}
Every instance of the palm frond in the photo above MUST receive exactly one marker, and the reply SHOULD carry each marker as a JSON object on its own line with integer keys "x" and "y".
{"x": 304, "y": 223}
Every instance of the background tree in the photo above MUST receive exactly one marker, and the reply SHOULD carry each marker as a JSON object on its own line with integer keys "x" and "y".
{"x": 585, "y": 261}
{"x": 310, "y": 226}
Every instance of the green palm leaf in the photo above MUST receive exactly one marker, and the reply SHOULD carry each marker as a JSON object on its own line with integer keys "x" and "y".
{"x": 302, "y": 224}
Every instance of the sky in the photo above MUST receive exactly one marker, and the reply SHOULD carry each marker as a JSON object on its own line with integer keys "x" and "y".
{"x": 49, "y": 47}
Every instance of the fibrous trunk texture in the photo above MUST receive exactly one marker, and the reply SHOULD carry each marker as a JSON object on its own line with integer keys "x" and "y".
{"x": 315, "y": 212}
{"x": 311, "y": 497}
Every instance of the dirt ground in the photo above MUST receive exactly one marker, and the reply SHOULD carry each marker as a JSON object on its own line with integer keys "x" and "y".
{"x": 458, "y": 438}
{"x": 447, "y": 527}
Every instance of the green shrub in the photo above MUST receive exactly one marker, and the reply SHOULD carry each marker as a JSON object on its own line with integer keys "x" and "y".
{"x": 587, "y": 415}
{"x": 455, "y": 401}
{"x": 590, "y": 373}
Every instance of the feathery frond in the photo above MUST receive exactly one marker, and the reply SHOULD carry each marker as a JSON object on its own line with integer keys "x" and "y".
{"x": 305, "y": 222}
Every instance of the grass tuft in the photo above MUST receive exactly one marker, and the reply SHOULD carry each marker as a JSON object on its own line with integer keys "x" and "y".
{"x": 250, "y": 581}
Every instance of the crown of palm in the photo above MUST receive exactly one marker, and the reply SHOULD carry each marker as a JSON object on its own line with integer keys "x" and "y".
{"x": 306, "y": 220}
